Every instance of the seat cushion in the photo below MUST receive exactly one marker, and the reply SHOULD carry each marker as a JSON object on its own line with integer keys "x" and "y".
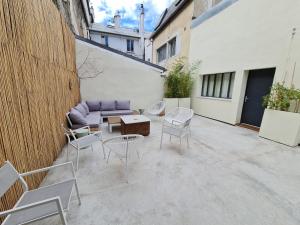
{"x": 81, "y": 109}
{"x": 93, "y": 105}
{"x": 123, "y": 105}
{"x": 116, "y": 113}
{"x": 93, "y": 119}
{"x": 62, "y": 190}
{"x": 108, "y": 105}
{"x": 77, "y": 118}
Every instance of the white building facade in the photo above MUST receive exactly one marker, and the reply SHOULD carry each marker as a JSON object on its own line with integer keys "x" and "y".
{"x": 243, "y": 48}
{"x": 128, "y": 40}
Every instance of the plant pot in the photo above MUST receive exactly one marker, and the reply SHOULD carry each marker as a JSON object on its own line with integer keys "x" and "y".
{"x": 184, "y": 102}
{"x": 172, "y": 103}
{"x": 281, "y": 126}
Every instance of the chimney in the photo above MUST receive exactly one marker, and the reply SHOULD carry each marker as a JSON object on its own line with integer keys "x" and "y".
{"x": 117, "y": 20}
{"x": 142, "y": 31}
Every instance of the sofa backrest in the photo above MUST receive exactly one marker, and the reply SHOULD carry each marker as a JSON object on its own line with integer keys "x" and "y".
{"x": 122, "y": 104}
{"x": 108, "y": 105}
{"x": 77, "y": 117}
{"x": 94, "y": 105}
{"x": 81, "y": 109}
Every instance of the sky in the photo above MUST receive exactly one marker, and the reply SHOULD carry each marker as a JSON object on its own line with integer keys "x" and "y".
{"x": 129, "y": 11}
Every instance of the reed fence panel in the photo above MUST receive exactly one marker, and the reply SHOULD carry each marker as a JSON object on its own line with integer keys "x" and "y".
{"x": 38, "y": 85}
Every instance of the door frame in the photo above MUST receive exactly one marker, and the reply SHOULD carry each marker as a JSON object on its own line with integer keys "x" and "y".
{"x": 244, "y": 88}
{"x": 245, "y": 74}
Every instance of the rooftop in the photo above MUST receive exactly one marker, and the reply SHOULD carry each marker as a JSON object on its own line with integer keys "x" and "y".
{"x": 120, "y": 53}
{"x": 168, "y": 14}
{"x": 124, "y": 31}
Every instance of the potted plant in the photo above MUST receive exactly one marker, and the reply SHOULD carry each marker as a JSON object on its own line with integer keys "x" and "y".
{"x": 179, "y": 84}
{"x": 281, "y": 120}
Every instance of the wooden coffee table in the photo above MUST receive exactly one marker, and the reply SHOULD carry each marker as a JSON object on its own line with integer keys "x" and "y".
{"x": 113, "y": 121}
{"x": 135, "y": 124}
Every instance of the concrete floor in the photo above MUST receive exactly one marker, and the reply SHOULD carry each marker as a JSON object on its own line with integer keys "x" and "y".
{"x": 228, "y": 176}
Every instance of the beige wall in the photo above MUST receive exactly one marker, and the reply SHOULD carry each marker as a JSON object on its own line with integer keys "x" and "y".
{"x": 113, "y": 76}
{"x": 247, "y": 35}
{"x": 179, "y": 27}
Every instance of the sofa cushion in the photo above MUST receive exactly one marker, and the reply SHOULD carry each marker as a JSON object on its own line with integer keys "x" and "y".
{"x": 93, "y": 119}
{"x": 123, "y": 105}
{"x": 108, "y": 105}
{"x": 116, "y": 113}
{"x": 81, "y": 109}
{"x": 93, "y": 105}
{"x": 76, "y": 117}
{"x": 85, "y": 106}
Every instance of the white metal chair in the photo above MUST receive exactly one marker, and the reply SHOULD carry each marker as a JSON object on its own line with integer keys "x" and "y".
{"x": 82, "y": 142}
{"x": 157, "y": 109}
{"x": 177, "y": 123}
{"x": 122, "y": 146}
{"x": 40, "y": 203}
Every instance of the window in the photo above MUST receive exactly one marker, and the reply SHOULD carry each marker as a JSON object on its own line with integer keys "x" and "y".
{"x": 218, "y": 85}
{"x": 172, "y": 47}
{"x": 162, "y": 53}
{"x": 130, "y": 45}
{"x": 167, "y": 50}
{"x": 105, "y": 40}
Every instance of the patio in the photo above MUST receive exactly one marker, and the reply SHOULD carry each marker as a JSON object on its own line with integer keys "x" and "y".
{"x": 228, "y": 176}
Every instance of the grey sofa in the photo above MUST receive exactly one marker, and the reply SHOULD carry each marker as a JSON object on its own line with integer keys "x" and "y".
{"x": 92, "y": 113}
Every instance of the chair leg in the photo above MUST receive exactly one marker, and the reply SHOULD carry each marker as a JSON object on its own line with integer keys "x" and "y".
{"x": 77, "y": 192}
{"x": 77, "y": 159}
{"x": 108, "y": 156}
{"x": 68, "y": 149}
{"x": 126, "y": 163}
{"x": 170, "y": 137}
{"x": 61, "y": 212}
{"x": 103, "y": 150}
{"x": 161, "y": 138}
{"x": 181, "y": 149}
{"x": 187, "y": 141}
{"x": 138, "y": 154}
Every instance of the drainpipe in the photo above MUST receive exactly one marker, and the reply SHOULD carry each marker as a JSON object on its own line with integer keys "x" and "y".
{"x": 142, "y": 32}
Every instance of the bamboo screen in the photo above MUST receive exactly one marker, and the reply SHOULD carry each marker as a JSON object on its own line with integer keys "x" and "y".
{"x": 38, "y": 85}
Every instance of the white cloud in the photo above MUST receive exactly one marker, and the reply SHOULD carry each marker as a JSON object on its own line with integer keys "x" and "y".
{"x": 105, "y": 9}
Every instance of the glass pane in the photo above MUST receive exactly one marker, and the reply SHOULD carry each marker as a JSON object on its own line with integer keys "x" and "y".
{"x": 128, "y": 45}
{"x": 218, "y": 85}
{"x": 106, "y": 40}
{"x": 132, "y": 46}
{"x": 225, "y": 84}
{"x": 161, "y": 53}
{"x": 231, "y": 85}
{"x": 172, "y": 47}
{"x": 211, "y": 85}
{"x": 204, "y": 85}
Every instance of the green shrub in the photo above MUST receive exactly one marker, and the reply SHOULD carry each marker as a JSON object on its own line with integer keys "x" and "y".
{"x": 179, "y": 81}
{"x": 281, "y": 97}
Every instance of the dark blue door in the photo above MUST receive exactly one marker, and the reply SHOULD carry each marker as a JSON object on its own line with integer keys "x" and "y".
{"x": 258, "y": 85}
